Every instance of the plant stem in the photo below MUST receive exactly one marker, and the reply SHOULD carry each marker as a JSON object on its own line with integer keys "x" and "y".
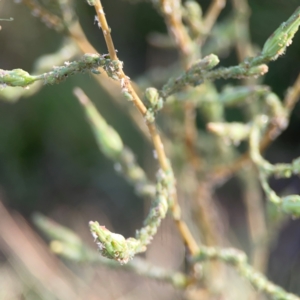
{"x": 238, "y": 260}
{"x": 171, "y": 11}
{"x": 157, "y": 143}
{"x": 21, "y": 78}
{"x": 290, "y": 100}
{"x": 68, "y": 244}
{"x": 212, "y": 14}
{"x": 48, "y": 18}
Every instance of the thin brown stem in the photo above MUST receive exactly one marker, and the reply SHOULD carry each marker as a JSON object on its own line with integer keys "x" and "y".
{"x": 173, "y": 18}
{"x": 191, "y": 134}
{"x": 188, "y": 54}
{"x": 171, "y": 11}
{"x": 157, "y": 143}
{"x": 243, "y": 43}
{"x": 209, "y": 219}
{"x": 292, "y": 95}
{"x": 48, "y": 18}
{"x": 82, "y": 42}
{"x": 252, "y": 195}
{"x": 187, "y": 49}
{"x": 187, "y": 235}
{"x": 256, "y": 219}
{"x": 212, "y": 14}
{"x": 106, "y": 30}
{"x": 76, "y": 33}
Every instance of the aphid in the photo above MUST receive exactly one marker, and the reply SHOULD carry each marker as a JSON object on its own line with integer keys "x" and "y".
{"x": 95, "y": 71}
{"x": 122, "y": 82}
{"x": 128, "y": 96}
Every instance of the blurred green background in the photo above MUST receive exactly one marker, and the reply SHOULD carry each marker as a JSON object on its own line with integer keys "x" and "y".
{"x": 49, "y": 161}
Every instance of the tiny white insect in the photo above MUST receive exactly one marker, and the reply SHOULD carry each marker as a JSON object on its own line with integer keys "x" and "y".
{"x": 122, "y": 82}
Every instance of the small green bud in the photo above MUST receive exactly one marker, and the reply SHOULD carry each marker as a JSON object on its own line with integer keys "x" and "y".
{"x": 282, "y": 37}
{"x": 296, "y": 166}
{"x": 107, "y": 138}
{"x": 291, "y": 205}
{"x": 192, "y": 14}
{"x": 109, "y": 141}
{"x": 193, "y": 9}
{"x": 91, "y": 2}
{"x": 136, "y": 173}
{"x": 16, "y": 77}
{"x": 233, "y": 131}
{"x": 111, "y": 245}
{"x": 152, "y": 95}
{"x": 208, "y": 62}
{"x": 258, "y": 70}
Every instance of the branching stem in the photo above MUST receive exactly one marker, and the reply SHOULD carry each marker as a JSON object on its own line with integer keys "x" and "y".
{"x": 238, "y": 260}
{"x": 157, "y": 143}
